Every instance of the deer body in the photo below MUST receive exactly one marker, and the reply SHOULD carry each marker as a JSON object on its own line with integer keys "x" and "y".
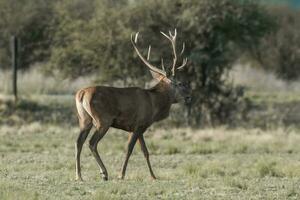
{"x": 131, "y": 109}
{"x": 124, "y": 108}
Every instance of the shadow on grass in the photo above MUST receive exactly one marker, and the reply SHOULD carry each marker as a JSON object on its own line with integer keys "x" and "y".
{"x": 26, "y": 111}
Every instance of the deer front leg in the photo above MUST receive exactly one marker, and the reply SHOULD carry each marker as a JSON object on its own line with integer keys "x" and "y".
{"x": 98, "y": 135}
{"x": 131, "y": 142}
{"x": 146, "y": 154}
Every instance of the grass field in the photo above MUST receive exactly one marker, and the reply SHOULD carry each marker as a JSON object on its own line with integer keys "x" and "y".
{"x": 37, "y": 162}
{"x": 258, "y": 160}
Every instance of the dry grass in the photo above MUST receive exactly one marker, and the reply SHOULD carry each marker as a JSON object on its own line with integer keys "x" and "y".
{"x": 37, "y": 162}
{"x": 34, "y": 82}
{"x": 37, "y": 154}
{"x": 259, "y": 80}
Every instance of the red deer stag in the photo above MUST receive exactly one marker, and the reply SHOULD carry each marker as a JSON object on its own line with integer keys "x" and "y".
{"x": 131, "y": 109}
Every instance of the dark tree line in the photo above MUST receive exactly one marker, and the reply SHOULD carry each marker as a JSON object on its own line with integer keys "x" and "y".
{"x": 73, "y": 38}
{"x": 279, "y": 51}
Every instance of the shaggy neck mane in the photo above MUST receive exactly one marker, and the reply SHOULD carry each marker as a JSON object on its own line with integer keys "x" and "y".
{"x": 161, "y": 99}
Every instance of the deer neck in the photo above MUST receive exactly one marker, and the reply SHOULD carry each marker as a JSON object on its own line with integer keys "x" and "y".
{"x": 161, "y": 99}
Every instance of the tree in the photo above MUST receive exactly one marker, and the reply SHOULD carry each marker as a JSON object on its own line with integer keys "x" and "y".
{"x": 29, "y": 21}
{"x": 88, "y": 36}
{"x": 215, "y": 31}
{"x": 218, "y": 31}
{"x": 279, "y": 52}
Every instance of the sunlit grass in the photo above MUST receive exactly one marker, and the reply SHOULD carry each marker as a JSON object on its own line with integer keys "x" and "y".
{"x": 37, "y": 153}
{"x": 35, "y": 82}
{"x": 37, "y": 162}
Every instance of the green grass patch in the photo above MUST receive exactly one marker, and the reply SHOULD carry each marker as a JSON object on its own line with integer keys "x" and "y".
{"x": 37, "y": 162}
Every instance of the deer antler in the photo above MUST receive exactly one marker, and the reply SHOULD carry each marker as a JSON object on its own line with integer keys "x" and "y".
{"x": 151, "y": 67}
{"x": 172, "y": 38}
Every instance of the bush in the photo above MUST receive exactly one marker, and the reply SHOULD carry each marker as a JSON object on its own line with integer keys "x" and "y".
{"x": 279, "y": 51}
{"x": 89, "y": 36}
{"x": 30, "y": 22}
{"x": 215, "y": 31}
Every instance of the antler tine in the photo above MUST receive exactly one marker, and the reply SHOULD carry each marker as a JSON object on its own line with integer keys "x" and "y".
{"x": 162, "y": 64}
{"x": 151, "y": 67}
{"x": 136, "y": 37}
{"x": 149, "y": 51}
{"x": 166, "y": 35}
{"x": 184, "y": 62}
{"x": 172, "y": 38}
{"x": 183, "y": 48}
{"x": 173, "y": 42}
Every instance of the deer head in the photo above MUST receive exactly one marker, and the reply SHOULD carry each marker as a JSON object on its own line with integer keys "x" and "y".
{"x": 179, "y": 91}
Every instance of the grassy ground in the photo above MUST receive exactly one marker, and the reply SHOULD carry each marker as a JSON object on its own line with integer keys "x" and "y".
{"x": 37, "y": 162}
{"x": 261, "y": 161}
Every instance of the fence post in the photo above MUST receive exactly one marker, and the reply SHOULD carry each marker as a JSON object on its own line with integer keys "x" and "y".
{"x": 15, "y": 67}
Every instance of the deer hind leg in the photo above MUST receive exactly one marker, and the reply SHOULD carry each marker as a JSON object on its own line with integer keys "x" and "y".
{"x": 146, "y": 154}
{"x": 78, "y": 147}
{"x": 101, "y": 129}
{"x": 85, "y": 123}
{"x": 98, "y": 135}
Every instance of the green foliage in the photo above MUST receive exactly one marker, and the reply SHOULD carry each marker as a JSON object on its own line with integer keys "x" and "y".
{"x": 213, "y": 30}
{"x": 83, "y": 37}
{"x": 216, "y": 31}
{"x": 30, "y": 21}
{"x": 279, "y": 52}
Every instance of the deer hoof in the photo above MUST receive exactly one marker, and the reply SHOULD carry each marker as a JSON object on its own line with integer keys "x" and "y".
{"x": 104, "y": 176}
{"x": 79, "y": 179}
{"x": 121, "y": 177}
